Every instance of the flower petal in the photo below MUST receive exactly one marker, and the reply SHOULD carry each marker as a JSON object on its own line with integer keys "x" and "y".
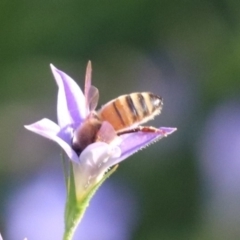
{"x": 94, "y": 158}
{"x": 44, "y": 126}
{"x": 89, "y": 169}
{"x": 134, "y": 142}
{"x": 51, "y": 130}
{"x": 95, "y": 154}
{"x": 71, "y": 106}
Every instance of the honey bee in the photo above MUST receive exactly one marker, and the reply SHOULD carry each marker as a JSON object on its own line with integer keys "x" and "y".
{"x": 120, "y": 116}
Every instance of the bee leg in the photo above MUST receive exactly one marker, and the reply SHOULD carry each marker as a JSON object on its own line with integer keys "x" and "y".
{"x": 146, "y": 129}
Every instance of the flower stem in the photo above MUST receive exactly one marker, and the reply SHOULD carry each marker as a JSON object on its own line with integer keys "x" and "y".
{"x": 65, "y": 168}
{"x": 76, "y": 207}
{"x": 68, "y": 235}
{"x": 72, "y": 224}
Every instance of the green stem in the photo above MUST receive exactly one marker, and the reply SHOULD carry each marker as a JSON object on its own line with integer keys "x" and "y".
{"x": 68, "y": 235}
{"x": 75, "y": 208}
{"x": 73, "y": 222}
{"x": 65, "y": 168}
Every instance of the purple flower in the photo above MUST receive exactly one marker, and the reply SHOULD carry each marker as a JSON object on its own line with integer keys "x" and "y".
{"x": 72, "y": 111}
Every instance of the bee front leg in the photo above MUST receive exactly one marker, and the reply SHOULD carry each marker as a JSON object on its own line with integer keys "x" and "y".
{"x": 145, "y": 129}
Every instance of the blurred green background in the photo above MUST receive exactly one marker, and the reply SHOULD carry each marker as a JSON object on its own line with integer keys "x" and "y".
{"x": 186, "y": 51}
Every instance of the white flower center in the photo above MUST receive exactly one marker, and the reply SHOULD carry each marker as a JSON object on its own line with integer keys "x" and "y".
{"x": 93, "y": 164}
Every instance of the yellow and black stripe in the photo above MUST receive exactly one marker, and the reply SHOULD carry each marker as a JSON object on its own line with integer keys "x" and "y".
{"x": 130, "y": 109}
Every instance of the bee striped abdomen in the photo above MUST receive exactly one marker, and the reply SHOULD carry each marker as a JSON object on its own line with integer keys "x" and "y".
{"x": 120, "y": 112}
{"x": 143, "y": 105}
{"x": 130, "y": 109}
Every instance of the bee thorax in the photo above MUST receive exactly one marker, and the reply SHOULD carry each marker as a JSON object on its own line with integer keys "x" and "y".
{"x": 85, "y": 134}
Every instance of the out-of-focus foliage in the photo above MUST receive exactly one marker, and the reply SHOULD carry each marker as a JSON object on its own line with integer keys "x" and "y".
{"x": 186, "y": 51}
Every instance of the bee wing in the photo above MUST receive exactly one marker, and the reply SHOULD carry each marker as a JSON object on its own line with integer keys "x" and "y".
{"x": 91, "y": 93}
{"x": 106, "y": 133}
{"x": 92, "y": 98}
